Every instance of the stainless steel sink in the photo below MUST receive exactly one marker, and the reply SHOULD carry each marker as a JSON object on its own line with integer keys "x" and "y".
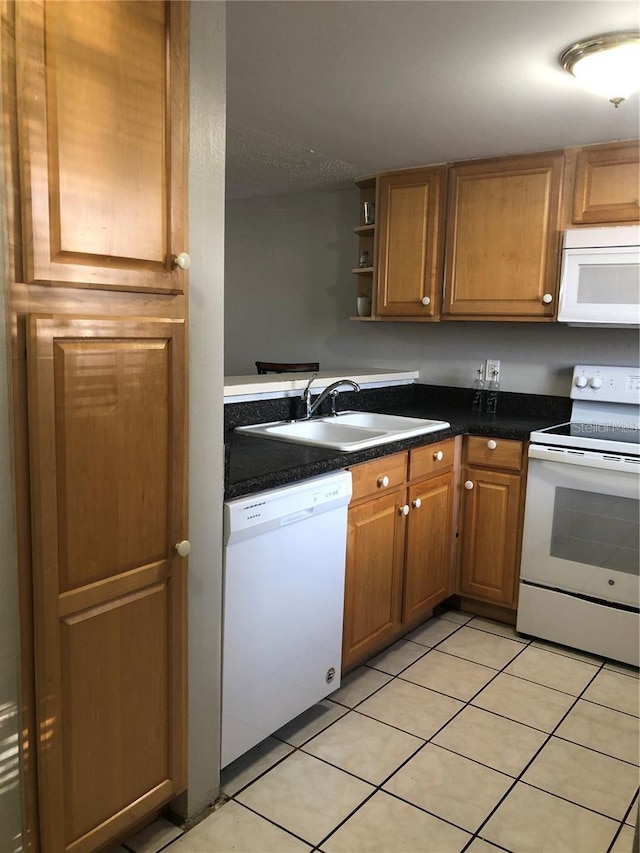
{"x": 346, "y": 431}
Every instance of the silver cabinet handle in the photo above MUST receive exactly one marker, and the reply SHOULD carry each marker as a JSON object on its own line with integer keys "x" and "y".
{"x": 183, "y": 260}
{"x": 183, "y": 548}
{"x": 439, "y": 456}
{"x": 468, "y": 485}
{"x": 547, "y": 299}
{"x": 404, "y": 510}
{"x": 417, "y": 503}
{"x": 426, "y": 300}
{"x": 383, "y": 481}
{"x": 491, "y": 444}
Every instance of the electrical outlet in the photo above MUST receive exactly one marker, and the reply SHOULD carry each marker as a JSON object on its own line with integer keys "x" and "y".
{"x": 492, "y": 369}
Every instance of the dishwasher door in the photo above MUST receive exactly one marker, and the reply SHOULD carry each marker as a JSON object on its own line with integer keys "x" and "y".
{"x": 283, "y": 606}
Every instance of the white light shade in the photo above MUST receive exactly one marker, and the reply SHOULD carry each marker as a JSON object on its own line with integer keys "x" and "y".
{"x": 608, "y": 65}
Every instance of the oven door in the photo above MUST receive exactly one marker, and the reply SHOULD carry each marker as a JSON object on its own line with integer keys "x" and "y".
{"x": 581, "y": 528}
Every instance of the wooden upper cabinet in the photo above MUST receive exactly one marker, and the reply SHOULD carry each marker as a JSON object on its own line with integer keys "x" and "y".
{"x": 607, "y": 184}
{"x": 102, "y": 100}
{"x": 107, "y": 434}
{"x": 503, "y": 238}
{"x": 409, "y": 223}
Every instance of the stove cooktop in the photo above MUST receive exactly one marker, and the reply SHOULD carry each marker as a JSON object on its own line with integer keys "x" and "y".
{"x": 605, "y": 414}
{"x": 586, "y": 436}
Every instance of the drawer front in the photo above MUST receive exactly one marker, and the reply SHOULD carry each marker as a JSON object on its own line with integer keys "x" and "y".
{"x": 378, "y": 476}
{"x": 494, "y": 452}
{"x": 424, "y": 461}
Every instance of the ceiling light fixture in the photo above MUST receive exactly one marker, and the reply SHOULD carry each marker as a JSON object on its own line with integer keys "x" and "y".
{"x": 607, "y": 65}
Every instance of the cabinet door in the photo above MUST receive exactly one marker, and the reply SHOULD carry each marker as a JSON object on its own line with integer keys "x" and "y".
{"x": 107, "y": 438}
{"x": 503, "y": 234}
{"x": 410, "y": 243}
{"x": 373, "y": 584}
{"x": 606, "y": 184}
{"x": 102, "y": 142}
{"x": 428, "y": 549}
{"x": 490, "y": 535}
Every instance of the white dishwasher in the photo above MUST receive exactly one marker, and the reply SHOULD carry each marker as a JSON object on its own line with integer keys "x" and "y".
{"x": 283, "y": 599}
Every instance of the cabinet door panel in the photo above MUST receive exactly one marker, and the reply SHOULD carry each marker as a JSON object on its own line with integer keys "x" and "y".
{"x": 503, "y": 237}
{"x": 410, "y": 261}
{"x": 103, "y": 142}
{"x": 373, "y": 585}
{"x": 606, "y": 184}
{"x": 428, "y": 549}
{"x": 490, "y": 519}
{"x": 110, "y": 618}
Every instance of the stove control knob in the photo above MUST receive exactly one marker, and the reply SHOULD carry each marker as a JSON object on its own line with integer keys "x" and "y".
{"x": 581, "y": 382}
{"x": 595, "y": 382}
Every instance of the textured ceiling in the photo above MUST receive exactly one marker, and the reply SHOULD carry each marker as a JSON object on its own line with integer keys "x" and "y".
{"x": 322, "y": 90}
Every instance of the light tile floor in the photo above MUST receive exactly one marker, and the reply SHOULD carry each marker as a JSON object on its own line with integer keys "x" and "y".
{"x": 460, "y": 737}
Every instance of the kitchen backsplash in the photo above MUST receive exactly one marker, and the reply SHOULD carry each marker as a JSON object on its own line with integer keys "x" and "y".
{"x": 557, "y": 409}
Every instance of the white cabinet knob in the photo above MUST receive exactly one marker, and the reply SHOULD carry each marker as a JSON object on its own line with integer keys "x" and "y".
{"x": 183, "y": 260}
{"x": 595, "y": 382}
{"x": 383, "y": 481}
{"x": 581, "y": 382}
{"x": 439, "y": 456}
{"x": 426, "y": 300}
{"x": 491, "y": 444}
{"x": 417, "y": 503}
{"x": 547, "y": 299}
{"x": 468, "y": 485}
{"x": 404, "y": 510}
{"x": 183, "y": 548}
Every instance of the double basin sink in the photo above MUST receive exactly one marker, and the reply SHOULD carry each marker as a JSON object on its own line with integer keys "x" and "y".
{"x": 346, "y": 431}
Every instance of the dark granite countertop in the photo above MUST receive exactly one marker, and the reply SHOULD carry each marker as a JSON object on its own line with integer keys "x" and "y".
{"x": 255, "y": 464}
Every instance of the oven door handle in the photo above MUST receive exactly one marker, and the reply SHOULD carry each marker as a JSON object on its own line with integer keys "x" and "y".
{"x": 585, "y": 458}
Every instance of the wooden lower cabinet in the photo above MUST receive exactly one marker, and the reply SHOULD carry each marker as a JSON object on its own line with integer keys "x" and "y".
{"x": 428, "y": 546}
{"x": 491, "y": 521}
{"x": 399, "y": 546}
{"x": 373, "y": 584}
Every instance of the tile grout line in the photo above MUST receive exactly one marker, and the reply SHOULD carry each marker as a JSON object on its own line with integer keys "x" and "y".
{"x": 623, "y": 823}
{"x": 535, "y": 756}
{"x": 376, "y": 788}
{"x": 379, "y": 787}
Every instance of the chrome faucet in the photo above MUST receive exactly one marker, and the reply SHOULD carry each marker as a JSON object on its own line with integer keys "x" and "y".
{"x": 330, "y": 390}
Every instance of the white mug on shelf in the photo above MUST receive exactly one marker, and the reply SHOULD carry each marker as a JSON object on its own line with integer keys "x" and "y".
{"x": 363, "y": 306}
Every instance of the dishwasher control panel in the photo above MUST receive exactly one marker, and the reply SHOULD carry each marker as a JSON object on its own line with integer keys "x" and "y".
{"x": 287, "y": 504}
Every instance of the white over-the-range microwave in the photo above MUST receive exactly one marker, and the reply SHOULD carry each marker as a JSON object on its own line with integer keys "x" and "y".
{"x": 600, "y": 279}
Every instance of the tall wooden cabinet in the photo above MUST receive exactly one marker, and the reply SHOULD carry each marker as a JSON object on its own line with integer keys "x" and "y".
{"x": 502, "y": 242}
{"x": 96, "y": 130}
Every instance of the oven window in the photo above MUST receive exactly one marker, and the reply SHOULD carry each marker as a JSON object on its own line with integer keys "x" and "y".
{"x": 597, "y": 530}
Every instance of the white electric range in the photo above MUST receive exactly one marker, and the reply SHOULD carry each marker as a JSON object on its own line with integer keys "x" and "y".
{"x": 579, "y": 575}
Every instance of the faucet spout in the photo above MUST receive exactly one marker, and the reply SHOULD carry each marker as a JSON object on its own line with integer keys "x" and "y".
{"x": 329, "y": 390}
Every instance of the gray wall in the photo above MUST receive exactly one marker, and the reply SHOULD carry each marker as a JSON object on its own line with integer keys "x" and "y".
{"x": 206, "y": 456}
{"x": 289, "y": 292}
